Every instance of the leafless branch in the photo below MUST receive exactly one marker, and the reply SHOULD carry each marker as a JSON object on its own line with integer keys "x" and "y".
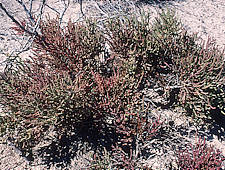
{"x": 15, "y": 21}
{"x": 53, "y": 9}
{"x": 28, "y": 12}
{"x": 81, "y": 7}
{"x": 66, "y": 5}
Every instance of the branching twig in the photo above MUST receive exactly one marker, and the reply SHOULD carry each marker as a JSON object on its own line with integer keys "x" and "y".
{"x": 28, "y": 12}
{"x": 65, "y": 8}
{"x": 168, "y": 87}
{"x": 17, "y": 22}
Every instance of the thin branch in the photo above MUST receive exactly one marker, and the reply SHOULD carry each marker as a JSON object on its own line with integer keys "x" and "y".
{"x": 16, "y": 22}
{"x": 26, "y": 10}
{"x": 100, "y": 9}
{"x": 168, "y": 87}
{"x": 65, "y": 8}
{"x": 31, "y": 6}
{"x": 81, "y": 7}
{"x": 53, "y": 9}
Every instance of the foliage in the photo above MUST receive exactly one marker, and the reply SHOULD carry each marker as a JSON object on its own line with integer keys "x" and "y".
{"x": 131, "y": 38}
{"x": 74, "y": 48}
{"x": 63, "y": 86}
{"x": 38, "y": 100}
{"x": 199, "y": 68}
{"x": 52, "y": 88}
{"x": 131, "y": 122}
{"x": 201, "y": 75}
{"x": 72, "y": 82}
{"x": 200, "y": 156}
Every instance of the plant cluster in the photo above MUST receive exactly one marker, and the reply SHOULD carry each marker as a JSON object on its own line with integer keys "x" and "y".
{"x": 201, "y": 74}
{"x": 65, "y": 86}
{"x": 200, "y": 156}
{"x": 200, "y": 67}
{"x": 72, "y": 81}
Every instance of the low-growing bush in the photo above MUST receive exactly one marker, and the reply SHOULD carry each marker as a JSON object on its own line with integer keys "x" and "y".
{"x": 54, "y": 87}
{"x": 199, "y": 68}
{"x": 132, "y": 39}
{"x": 70, "y": 83}
{"x": 200, "y": 156}
{"x": 63, "y": 86}
{"x": 36, "y": 100}
{"x": 75, "y": 48}
{"x": 201, "y": 75}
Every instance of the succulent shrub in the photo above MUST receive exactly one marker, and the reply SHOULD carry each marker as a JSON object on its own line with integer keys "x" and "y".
{"x": 128, "y": 158}
{"x": 69, "y": 83}
{"x": 165, "y": 29}
{"x": 51, "y": 88}
{"x": 200, "y": 156}
{"x": 149, "y": 47}
{"x": 117, "y": 97}
{"x": 199, "y": 68}
{"x": 62, "y": 86}
{"x": 131, "y": 39}
{"x": 121, "y": 109}
{"x": 36, "y": 100}
{"x": 74, "y": 48}
{"x": 201, "y": 75}
{"x": 171, "y": 40}
{"x": 144, "y": 131}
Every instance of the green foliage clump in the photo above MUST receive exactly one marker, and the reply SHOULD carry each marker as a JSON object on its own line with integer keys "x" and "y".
{"x": 199, "y": 68}
{"x": 201, "y": 74}
{"x": 63, "y": 86}
{"x": 36, "y": 100}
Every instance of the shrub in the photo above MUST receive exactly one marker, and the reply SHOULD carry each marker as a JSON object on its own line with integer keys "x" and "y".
{"x": 128, "y": 158}
{"x": 200, "y": 156}
{"x": 131, "y": 38}
{"x": 62, "y": 86}
{"x": 199, "y": 68}
{"x": 38, "y": 100}
{"x": 69, "y": 83}
{"x": 51, "y": 88}
{"x": 75, "y": 48}
{"x": 201, "y": 75}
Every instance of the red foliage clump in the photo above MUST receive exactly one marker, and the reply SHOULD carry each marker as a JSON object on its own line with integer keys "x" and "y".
{"x": 200, "y": 156}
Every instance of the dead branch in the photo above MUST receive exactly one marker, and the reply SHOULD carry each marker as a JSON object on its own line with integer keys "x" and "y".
{"x": 15, "y": 21}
